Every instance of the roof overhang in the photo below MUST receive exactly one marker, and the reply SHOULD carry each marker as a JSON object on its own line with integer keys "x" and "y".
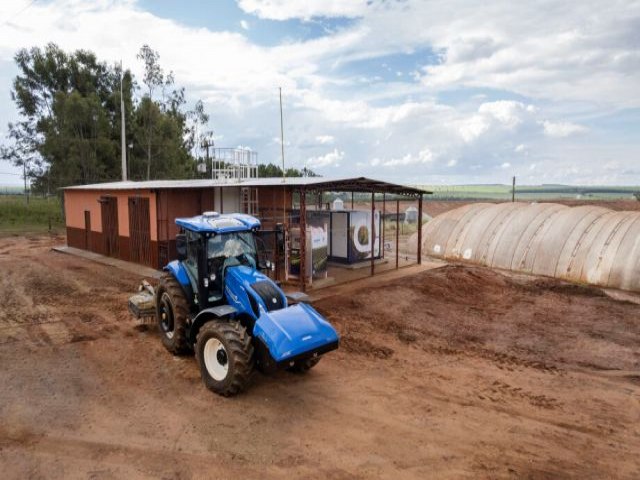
{"x": 308, "y": 184}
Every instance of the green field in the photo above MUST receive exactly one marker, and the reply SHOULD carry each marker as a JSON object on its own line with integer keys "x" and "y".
{"x": 18, "y": 216}
{"x": 530, "y": 192}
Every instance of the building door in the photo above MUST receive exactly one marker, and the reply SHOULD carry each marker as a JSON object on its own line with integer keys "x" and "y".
{"x": 140, "y": 230}
{"x": 109, "y": 210}
{"x": 249, "y": 200}
{"x": 87, "y": 230}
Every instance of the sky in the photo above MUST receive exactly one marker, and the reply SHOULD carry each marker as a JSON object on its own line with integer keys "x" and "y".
{"x": 412, "y": 91}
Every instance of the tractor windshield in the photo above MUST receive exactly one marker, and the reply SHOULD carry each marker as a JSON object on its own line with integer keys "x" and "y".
{"x": 239, "y": 245}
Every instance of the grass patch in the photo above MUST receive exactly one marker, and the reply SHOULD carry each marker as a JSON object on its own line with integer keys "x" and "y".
{"x": 16, "y": 216}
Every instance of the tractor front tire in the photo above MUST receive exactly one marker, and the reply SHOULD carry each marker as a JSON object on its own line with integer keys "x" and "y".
{"x": 225, "y": 355}
{"x": 303, "y": 366}
{"x": 172, "y": 310}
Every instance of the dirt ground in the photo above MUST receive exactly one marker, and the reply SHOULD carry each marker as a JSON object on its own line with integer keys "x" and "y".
{"x": 458, "y": 372}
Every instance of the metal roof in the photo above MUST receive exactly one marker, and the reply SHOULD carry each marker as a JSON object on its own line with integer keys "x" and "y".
{"x": 347, "y": 184}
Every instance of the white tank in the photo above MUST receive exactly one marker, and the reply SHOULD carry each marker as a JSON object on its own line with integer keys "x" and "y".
{"x": 411, "y": 215}
{"x": 338, "y": 204}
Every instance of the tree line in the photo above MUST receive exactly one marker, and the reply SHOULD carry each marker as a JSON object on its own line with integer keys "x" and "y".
{"x": 70, "y": 121}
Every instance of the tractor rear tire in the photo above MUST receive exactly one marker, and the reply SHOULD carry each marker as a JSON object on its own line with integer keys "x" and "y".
{"x": 225, "y": 355}
{"x": 303, "y": 366}
{"x": 172, "y": 310}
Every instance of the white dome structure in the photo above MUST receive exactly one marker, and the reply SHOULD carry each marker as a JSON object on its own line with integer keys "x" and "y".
{"x": 586, "y": 244}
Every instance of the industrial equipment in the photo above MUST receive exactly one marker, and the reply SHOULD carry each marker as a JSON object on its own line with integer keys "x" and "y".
{"x": 214, "y": 299}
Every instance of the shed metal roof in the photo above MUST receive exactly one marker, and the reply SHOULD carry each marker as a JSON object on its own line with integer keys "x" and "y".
{"x": 347, "y": 184}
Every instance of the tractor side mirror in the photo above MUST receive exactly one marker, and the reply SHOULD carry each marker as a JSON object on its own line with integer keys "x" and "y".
{"x": 181, "y": 246}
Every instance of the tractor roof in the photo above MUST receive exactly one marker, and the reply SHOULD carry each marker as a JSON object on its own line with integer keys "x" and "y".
{"x": 214, "y": 222}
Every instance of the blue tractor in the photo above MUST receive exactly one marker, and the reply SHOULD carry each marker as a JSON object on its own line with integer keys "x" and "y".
{"x": 215, "y": 300}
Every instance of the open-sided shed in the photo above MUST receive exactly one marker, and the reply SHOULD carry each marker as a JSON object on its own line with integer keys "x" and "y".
{"x": 135, "y": 221}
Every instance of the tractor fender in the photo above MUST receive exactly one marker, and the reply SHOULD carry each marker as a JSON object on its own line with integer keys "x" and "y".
{"x": 179, "y": 272}
{"x": 221, "y": 311}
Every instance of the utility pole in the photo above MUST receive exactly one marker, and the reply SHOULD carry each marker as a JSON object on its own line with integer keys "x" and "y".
{"x": 513, "y": 190}
{"x": 281, "y": 134}
{"x": 284, "y": 188}
{"x": 123, "y": 132}
{"x": 24, "y": 174}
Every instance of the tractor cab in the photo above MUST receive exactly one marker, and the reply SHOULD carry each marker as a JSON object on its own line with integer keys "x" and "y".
{"x": 212, "y": 243}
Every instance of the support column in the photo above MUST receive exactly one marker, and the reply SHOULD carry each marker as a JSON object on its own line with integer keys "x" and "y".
{"x": 420, "y": 230}
{"x": 372, "y": 233}
{"x": 351, "y": 200}
{"x": 384, "y": 210}
{"x": 397, "y": 232}
{"x": 303, "y": 240}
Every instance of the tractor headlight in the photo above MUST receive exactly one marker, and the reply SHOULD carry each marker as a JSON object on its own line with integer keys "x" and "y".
{"x": 212, "y": 277}
{"x": 206, "y": 282}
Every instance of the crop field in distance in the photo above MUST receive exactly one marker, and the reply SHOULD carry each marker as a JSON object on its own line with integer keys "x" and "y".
{"x": 531, "y": 192}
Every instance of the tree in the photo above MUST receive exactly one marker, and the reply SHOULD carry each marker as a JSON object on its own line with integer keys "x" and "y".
{"x": 637, "y": 195}
{"x": 79, "y": 146}
{"x": 198, "y": 137}
{"x": 64, "y": 101}
{"x": 70, "y": 126}
{"x": 155, "y": 78}
{"x": 169, "y": 154}
{"x": 271, "y": 170}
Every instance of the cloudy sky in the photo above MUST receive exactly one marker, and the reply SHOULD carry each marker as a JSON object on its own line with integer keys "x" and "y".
{"x": 416, "y": 91}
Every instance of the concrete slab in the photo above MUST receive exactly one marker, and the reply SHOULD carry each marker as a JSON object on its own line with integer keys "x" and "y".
{"x": 377, "y": 280}
{"x": 359, "y": 265}
{"x": 113, "y": 262}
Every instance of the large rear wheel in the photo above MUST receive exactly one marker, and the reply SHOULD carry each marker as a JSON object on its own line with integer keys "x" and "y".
{"x": 225, "y": 355}
{"x": 171, "y": 314}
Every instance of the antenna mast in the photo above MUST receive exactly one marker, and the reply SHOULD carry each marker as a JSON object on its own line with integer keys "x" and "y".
{"x": 281, "y": 134}
{"x": 123, "y": 132}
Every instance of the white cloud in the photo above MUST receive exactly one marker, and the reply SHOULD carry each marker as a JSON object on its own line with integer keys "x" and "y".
{"x": 507, "y": 112}
{"x": 561, "y": 129}
{"x": 244, "y": 24}
{"x": 361, "y": 114}
{"x": 520, "y": 148}
{"x": 424, "y": 156}
{"x": 474, "y": 104}
{"x": 505, "y": 165}
{"x": 331, "y": 159}
{"x": 473, "y": 127}
{"x": 303, "y": 9}
{"x": 558, "y": 51}
{"x": 504, "y": 114}
{"x": 324, "y": 139}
